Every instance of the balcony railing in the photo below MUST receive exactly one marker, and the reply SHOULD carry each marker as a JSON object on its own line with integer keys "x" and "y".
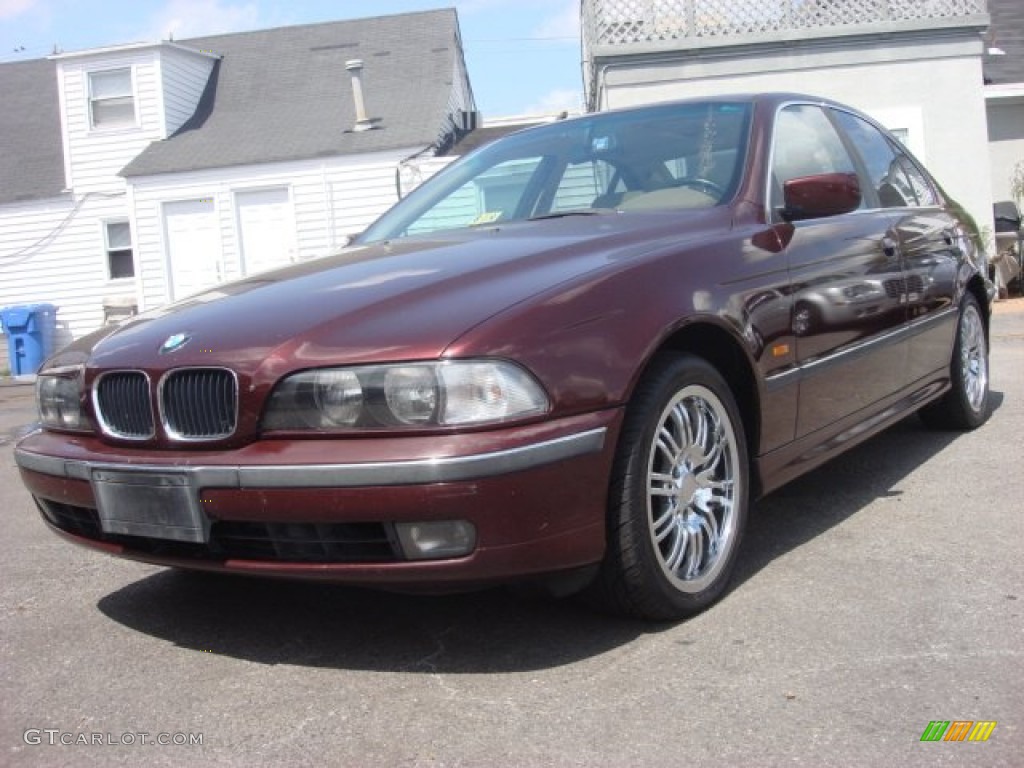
{"x": 698, "y": 23}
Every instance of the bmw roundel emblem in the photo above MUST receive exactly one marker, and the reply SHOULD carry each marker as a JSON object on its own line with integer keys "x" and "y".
{"x": 174, "y": 343}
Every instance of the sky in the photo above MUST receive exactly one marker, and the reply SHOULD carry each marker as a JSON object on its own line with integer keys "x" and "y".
{"x": 523, "y": 56}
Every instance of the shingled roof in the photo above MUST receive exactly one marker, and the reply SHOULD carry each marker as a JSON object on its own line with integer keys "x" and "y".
{"x": 1006, "y": 33}
{"x": 31, "y": 153}
{"x": 284, "y": 94}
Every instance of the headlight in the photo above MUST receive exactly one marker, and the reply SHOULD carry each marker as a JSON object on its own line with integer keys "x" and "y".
{"x": 464, "y": 392}
{"x": 59, "y": 399}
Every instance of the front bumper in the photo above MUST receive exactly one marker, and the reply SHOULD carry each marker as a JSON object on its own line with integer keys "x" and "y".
{"x": 327, "y": 509}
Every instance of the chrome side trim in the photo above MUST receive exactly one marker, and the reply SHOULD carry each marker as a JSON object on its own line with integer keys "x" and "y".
{"x": 415, "y": 472}
{"x": 920, "y": 324}
{"x": 777, "y": 381}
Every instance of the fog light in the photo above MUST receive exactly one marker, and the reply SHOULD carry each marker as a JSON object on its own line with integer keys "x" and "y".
{"x": 434, "y": 540}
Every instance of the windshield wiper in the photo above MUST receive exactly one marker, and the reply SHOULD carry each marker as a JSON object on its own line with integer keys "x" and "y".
{"x": 577, "y": 212}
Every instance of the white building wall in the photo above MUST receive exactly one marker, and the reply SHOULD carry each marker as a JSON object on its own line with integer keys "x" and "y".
{"x": 1006, "y": 143}
{"x": 184, "y": 75}
{"x": 331, "y": 200}
{"x": 932, "y": 91}
{"x": 94, "y": 156}
{"x": 52, "y": 251}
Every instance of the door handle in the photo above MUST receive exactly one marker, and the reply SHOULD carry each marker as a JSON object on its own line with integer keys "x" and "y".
{"x": 889, "y": 246}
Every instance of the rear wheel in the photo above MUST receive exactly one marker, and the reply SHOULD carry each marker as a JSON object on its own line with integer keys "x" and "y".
{"x": 965, "y": 406}
{"x": 678, "y": 498}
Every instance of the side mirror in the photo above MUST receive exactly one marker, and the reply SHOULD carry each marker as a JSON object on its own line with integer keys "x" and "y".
{"x": 826, "y": 194}
{"x": 1007, "y": 216}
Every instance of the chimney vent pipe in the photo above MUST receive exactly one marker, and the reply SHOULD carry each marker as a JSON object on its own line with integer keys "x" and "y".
{"x": 355, "y": 68}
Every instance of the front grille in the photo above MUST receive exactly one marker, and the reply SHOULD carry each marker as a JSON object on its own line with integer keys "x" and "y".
{"x": 268, "y": 542}
{"x": 122, "y": 401}
{"x": 199, "y": 403}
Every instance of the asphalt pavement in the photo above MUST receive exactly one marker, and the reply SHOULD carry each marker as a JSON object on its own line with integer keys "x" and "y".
{"x": 881, "y": 593}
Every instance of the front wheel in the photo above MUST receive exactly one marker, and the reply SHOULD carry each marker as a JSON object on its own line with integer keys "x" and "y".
{"x": 678, "y": 497}
{"x": 965, "y": 406}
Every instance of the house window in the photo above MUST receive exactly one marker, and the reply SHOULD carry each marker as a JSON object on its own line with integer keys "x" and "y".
{"x": 111, "y": 101}
{"x": 902, "y": 134}
{"x": 118, "y": 241}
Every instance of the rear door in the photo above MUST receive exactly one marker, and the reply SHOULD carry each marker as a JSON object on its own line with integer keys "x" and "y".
{"x": 845, "y": 273}
{"x": 930, "y": 240}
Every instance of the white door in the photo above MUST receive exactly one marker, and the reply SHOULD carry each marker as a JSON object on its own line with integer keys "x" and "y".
{"x": 193, "y": 246}
{"x": 266, "y": 230}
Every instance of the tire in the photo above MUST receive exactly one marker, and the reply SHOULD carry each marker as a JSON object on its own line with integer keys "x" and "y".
{"x": 677, "y": 502}
{"x": 966, "y": 405}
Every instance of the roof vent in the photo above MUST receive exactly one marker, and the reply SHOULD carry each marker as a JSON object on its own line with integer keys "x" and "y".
{"x": 355, "y": 68}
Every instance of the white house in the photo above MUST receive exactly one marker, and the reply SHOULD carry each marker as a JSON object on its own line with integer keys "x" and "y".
{"x": 1004, "y": 96}
{"x": 915, "y": 65}
{"x": 137, "y": 174}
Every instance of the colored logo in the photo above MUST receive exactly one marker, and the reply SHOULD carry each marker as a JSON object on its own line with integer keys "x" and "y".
{"x": 958, "y": 730}
{"x": 174, "y": 343}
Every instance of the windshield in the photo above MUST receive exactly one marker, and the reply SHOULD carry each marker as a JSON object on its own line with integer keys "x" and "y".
{"x": 676, "y": 156}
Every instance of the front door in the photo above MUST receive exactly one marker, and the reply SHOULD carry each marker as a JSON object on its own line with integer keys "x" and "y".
{"x": 846, "y": 277}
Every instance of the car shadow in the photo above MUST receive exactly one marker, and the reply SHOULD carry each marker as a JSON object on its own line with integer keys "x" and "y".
{"x": 812, "y": 504}
{"x": 324, "y": 625}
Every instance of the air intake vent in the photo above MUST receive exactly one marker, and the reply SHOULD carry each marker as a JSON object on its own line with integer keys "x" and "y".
{"x": 199, "y": 403}
{"x": 122, "y": 404}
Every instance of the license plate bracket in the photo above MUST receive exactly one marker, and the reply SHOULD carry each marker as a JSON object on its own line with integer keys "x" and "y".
{"x": 162, "y": 505}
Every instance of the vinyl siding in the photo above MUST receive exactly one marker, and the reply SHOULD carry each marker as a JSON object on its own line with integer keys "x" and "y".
{"x": 95, "y": 156}
{"x": 53, "y": 252}
{"x": 330, "y": 200}
{"x": 184, "y": 76}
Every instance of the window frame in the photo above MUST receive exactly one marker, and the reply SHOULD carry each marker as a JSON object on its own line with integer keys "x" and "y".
{"x": 774, "y": 200}
{"x": 109, "y": 250}
{"x": 903, "y": 159}
{"x": 91, "y": 100}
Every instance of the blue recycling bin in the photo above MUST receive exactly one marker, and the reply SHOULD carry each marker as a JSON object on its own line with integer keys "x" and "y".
{"x": 30, "y": 331}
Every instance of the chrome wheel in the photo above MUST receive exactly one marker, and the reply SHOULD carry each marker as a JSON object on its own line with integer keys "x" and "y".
{"x": 677, "y": 502}
{"x": 965, "y": 405}
{"x": 693, "y": 488}
{"x": 974, "y": 358}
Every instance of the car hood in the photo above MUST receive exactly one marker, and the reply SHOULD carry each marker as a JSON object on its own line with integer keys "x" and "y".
{"x": 398, "y": 300}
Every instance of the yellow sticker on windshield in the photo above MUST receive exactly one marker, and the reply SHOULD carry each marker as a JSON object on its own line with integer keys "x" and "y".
{"x": 487, "y": 217}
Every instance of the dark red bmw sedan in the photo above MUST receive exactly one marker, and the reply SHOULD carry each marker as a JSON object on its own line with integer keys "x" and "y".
{"x": 574, "y": 355}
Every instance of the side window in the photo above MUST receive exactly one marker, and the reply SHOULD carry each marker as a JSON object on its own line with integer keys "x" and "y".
{"x": 887, "y": 177}
{"x": 895, "y": 178}
{"x": 923, "y": 189}
{"x": 805, "y": 144}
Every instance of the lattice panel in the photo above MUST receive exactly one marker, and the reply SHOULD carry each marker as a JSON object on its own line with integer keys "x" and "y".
{"x": 632, "y": 21}
{"x": 611, "y": 22}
